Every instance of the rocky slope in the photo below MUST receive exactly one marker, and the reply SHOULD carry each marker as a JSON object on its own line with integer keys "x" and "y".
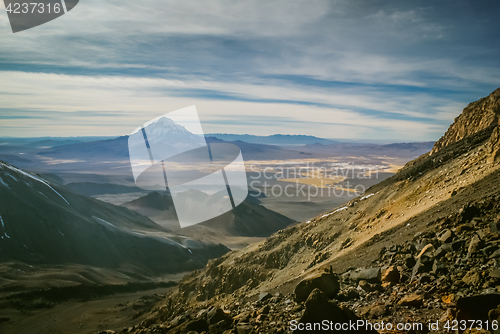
{"x": 45, "y": 224}
{"x": 421, "y": 246}
{"x": 478, "y": 117}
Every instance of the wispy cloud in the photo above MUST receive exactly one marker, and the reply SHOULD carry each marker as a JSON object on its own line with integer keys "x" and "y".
{"x": 393, "y": 69}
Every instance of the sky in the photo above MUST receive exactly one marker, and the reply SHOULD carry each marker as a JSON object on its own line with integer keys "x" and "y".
{"x": 388, "y": 70}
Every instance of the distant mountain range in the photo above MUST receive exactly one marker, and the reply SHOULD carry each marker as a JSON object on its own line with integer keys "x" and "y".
{"x": 117, "y": 149}
{"x": 276, "y": 139}
{"x": 30, "y": 153}
{"x": 39, "y": 142}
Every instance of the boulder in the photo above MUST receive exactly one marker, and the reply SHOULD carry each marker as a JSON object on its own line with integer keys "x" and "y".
{"x": 494, "y": 226}
{"x": 244, "y": 329}
{"x": 472, "y": 278}
{"x": 349, "y": 293}
{"x": 439, "y": 268}
{"x": 423, "y": 265}
{"x": 413, "y": 299}
{"x": 445, "y": 236}
{"x": 477, "y": 307}
{"x": 216, "y": 315}
{"x": 327, "y": 283}
{"x": 495, "y": 273}
{"x": 261, "y": 318}
{"x": 426, "y": 278}
{"x": 180, "y": 319}
{"x": 371, "y": 275}
{"x": 474, "y": 245}
{"x": 319, "y": 308}
{"x": 373, "y": 311}
{"x": 443, "y": 250}
{"x": 391, "y": 275}
{"x": 409, "y": 261}
{"x": 202, "y": 314}
{"x": 265, "y": 296}
{"x": 219, "y": 328}
{"x": 495, "y": 254}
{"x": 243, "y": 317}
{"x": 370, "y": 287}
{"x": 265, "y": 310}
{"x": 365, "y": 286}
{"x": 198, "y": 325}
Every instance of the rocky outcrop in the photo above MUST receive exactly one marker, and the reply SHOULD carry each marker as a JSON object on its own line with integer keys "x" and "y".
{"x": 493, "y": 144}
{"x": 327, "y": 283}
{"x": 480, "y": 116}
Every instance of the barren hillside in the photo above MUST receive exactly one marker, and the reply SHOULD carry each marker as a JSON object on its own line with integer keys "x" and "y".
{"x": 428, "y": 237}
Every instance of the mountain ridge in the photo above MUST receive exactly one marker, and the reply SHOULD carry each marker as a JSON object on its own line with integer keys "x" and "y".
{"x": 249, "y": 219}
{"x": 454, "y": 189}
{"x": 47, "y": 224}
{"x": 479, "y": 116}
{"x": 276, "y": 139}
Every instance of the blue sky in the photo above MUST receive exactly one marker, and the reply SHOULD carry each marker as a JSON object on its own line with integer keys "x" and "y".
{"x": 395, "y": 70}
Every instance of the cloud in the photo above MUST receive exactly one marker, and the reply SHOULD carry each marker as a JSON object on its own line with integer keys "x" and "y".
{"x": 373, "y": 68}
{"x": 60, "y": 102}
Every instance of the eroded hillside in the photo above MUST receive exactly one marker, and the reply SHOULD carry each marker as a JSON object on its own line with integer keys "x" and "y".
{"x": 396, "y": 225}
